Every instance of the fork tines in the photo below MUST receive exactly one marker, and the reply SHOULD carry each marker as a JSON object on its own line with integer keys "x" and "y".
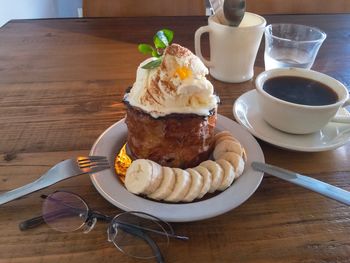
{"x": 93, "y": 163}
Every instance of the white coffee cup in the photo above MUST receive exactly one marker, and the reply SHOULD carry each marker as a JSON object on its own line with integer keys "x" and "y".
{"x": 298, "y": 118}
{"x": 232, "y": 49}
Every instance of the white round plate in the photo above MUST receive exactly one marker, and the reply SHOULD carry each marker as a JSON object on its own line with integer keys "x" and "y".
{"x": 110, "y": 187}
{"x": 247, "y": 112}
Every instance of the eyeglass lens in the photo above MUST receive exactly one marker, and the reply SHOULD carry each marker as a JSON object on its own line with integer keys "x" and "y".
{"x": 65, "y": 212}
{"x": 124, "y": 235}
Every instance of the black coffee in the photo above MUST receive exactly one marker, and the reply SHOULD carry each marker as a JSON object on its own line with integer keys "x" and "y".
{"x": 300, "y": 91}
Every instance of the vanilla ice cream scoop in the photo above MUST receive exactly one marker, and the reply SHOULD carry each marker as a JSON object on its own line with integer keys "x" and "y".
{"x": 178, "y": 85}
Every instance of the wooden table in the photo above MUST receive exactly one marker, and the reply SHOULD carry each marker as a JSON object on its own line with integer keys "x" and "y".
{"x": 61, "y": 86}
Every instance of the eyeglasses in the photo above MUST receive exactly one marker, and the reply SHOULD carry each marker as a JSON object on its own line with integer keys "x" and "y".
{"x": 134, "y": 233}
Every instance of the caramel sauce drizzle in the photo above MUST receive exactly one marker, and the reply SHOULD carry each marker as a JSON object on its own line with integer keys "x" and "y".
{"x": 122, "y": 163}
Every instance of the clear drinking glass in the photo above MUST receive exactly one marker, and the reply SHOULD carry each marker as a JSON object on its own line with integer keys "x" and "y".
{"x": 291, "y": 45}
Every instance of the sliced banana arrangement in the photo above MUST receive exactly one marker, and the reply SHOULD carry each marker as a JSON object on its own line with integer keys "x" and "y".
{"x": 145, "y": 177}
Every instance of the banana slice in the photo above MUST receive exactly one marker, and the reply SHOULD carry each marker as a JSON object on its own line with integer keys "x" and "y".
{"x": 224, "y": 138}
{"x": 244, "y": 155}
{"x": 182, "y": 185}
{"x": 157, "y": 177}
{"x": 216, "y": 172}
{"x": 196, "y": 185}
{"x": 229, "y": 174}
{"x": 204, "y": 172}
{"x": 143, "y": 176}
{"x": 226, "y": 135}
{"x": 166, "y": 186}
{"x": 222, "y": 134}
{"x": 236, "y": 161}
{"x": 227, "y": 146}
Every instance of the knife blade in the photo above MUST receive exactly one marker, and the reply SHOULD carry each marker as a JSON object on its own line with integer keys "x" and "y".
{"x": 310, "y": 183}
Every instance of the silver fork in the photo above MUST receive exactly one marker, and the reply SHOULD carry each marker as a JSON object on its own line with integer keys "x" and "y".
{"x": 61, "y": 171}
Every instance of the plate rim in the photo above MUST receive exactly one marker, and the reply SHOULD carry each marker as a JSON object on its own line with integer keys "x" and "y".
{"x": 194, "y": 206}
{"x": 281, "y": 144}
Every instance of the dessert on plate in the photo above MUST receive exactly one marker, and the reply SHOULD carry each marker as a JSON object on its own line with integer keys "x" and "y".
{"x": 171, "y": 110}
{"x": 171, "y": 118}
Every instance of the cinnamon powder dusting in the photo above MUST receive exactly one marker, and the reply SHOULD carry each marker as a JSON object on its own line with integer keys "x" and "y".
{"x": 152, "y": 93}
{"x": 177, "y": 51}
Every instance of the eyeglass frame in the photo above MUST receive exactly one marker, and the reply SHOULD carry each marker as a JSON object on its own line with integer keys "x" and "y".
{"x": 93, "y": 216}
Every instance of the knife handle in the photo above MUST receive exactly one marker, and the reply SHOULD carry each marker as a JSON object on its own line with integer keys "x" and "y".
{"x": 307, "y": 182}
{"x": 325, "y": 189}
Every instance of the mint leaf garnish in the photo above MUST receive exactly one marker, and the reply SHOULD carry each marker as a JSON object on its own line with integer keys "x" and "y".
{"x": 146, "y": 49}
{"x": 168, "y": 34}
{"x": 153, "y": 64}
{"x": 161, "y": 40}
{"x": 155, "y": 53}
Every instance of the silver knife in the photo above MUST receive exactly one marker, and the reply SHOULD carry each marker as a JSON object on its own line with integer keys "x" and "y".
{"x": 312, "y": 184}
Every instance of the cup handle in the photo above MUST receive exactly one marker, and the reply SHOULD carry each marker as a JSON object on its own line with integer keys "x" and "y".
{"x": 342, "y": 119}
{"x": 197, "y": 43}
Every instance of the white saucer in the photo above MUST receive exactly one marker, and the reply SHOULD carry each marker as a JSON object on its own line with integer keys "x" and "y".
{"x": 247, "y": 113}
{"x": 110, "y": 187}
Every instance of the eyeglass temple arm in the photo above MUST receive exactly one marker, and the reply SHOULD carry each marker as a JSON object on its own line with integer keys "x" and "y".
{"x": 39, "y": 220}
{"x": 136, "y": 232}
{"x": 31, "y": 223}
{"x": 153, "y": 231}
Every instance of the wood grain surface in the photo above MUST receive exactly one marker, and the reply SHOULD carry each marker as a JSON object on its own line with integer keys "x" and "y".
{"x": 131, "y": 8}
{"x": 298, "y": 6}
{"x": 61, "y": 86}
